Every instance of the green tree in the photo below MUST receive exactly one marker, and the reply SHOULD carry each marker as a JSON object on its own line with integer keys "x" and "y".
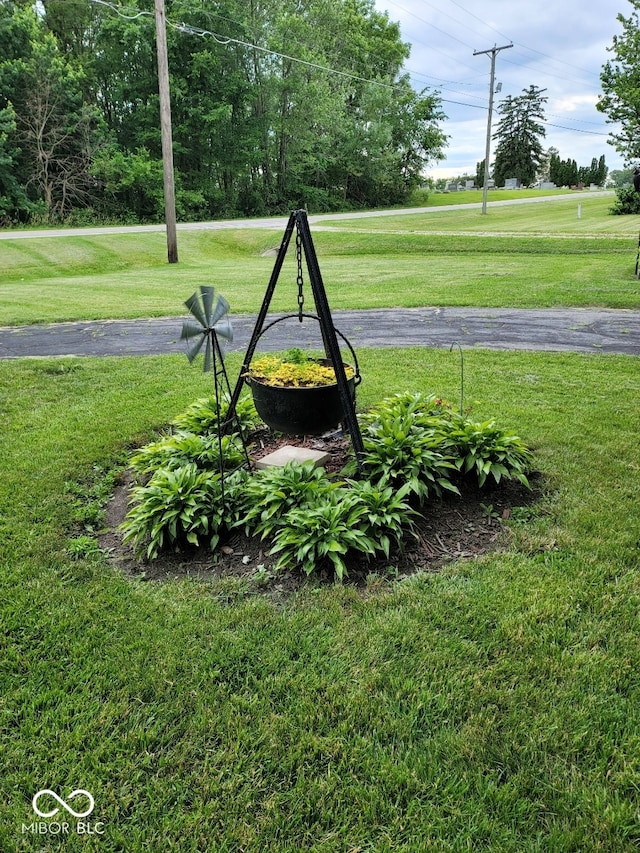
{"x": 56, "y": 132}
{"x": 519, "y": 133}
{"x": 621, "y": 177}
{"x": 620, "y": 80}
{"x": 254, "y": 130}
{"x": 14, "y": 203}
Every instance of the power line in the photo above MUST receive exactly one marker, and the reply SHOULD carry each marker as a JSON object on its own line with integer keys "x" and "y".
{"x": 188, "y": 29}
{"x": 116, "y": 9}
{"x": 574, "y": 129}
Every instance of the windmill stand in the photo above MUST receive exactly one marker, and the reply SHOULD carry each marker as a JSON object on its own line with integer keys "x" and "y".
{"x": 210, "y": 322}
{"x": 304, "y": 243}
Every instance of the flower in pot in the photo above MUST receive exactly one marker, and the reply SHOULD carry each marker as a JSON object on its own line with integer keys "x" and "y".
{"x": 297, "y": 394}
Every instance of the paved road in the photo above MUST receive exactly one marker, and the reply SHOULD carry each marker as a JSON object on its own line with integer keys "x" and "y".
{"x": 279, "y": 222}
{"x": 553, "y": 330}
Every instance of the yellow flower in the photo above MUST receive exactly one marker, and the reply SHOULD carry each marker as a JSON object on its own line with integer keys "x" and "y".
{"x": 276, "y": 370}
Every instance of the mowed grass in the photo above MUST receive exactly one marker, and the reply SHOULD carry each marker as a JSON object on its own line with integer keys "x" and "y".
{"x": 493, "y": 706}
{"x": 581, "y": 213}
{"x": 521, "y": 255}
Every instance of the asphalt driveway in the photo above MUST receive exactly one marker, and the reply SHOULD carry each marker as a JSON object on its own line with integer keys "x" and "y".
{"x": 585, "y": 330}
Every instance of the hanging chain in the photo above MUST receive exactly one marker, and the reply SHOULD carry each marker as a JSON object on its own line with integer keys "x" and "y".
{"x": 299, "y": 279}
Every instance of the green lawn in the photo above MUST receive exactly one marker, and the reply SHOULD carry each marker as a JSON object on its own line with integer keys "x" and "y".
{"x": 506, "y": 258}
{"x": 494, "y": 706}
{"x": 581, "y": 214}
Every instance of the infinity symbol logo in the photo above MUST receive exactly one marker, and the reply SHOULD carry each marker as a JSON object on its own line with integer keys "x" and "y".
{"x": 62, "y": 803}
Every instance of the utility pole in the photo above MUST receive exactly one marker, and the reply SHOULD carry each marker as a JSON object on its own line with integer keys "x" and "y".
{"x": 165, "y": 125}
{"x": 493, "y": 51}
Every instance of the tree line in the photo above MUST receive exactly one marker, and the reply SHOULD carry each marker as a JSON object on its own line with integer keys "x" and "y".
{"x": 275, "y": 104}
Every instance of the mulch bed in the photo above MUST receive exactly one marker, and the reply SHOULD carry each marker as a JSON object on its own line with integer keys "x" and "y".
{"x": 451, "y": 528}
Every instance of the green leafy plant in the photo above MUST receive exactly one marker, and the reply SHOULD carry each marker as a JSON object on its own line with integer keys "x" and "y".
{"x": 201, "y": 417}
{"x": 627, "y": 201}
{"x": 83, "y": 547}
{"x": 174, "y": 451}
{"x": 176, "y": 507}
{"x": 294, "y": 369}
{"x": 417, "y": 441}
{"x": 404, "y": 447}
{"x": 487, "y": 450}
{"x": 88, "y": 498}
{"x": 323, "y": 534}
{"x": 269, "y": 495}
{"x": 388, "y": 514}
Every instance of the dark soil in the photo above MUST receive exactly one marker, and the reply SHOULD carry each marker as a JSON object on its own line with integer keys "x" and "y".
{"x": 451, "y": 528}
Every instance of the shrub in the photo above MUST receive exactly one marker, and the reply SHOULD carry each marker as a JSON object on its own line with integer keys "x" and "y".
{"x": 270, "y": 495}
{"x": 323, "y": 534}
{"x": 176, "y": 507}
{"x": 627, "y": 201}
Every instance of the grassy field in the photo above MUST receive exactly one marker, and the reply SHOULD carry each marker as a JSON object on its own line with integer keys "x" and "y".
{"x": 493, "y": 706}
{"x": 505, "y": 258}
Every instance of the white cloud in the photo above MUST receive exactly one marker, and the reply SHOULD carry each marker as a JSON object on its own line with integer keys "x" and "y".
{"x": 572, "y": 103}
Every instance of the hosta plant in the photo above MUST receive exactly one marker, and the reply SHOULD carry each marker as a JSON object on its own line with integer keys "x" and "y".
{"x": 176, "y": 507}
{"x": 388, "y": 514}
{"x": 418, "y": 441}
{"x": 322, "y": 535}
{"x": 174, "y": 451}
{"x": 201, "y": 417}
{"x": 269, "y": 495}
{"x": 486, "y": 450}
{"x": 402, "y": 452}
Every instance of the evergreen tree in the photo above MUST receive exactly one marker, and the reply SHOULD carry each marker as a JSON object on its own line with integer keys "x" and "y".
{"x": 519, "y": 133}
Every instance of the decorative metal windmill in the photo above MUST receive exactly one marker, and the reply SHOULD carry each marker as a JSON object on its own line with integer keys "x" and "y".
{"x": 209, "y": 310}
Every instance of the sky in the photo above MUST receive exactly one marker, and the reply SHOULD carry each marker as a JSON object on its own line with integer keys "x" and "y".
{"x": 559, "y": 46}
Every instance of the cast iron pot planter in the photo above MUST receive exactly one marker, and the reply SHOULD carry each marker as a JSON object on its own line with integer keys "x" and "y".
{"x": 302, "y": 410}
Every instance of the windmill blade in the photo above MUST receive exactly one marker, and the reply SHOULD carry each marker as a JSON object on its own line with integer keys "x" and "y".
{"x": 224, "y": 330}
{"x": 221, "y": 308}
{"x": 191, "y": 330}
{"x": 208, "y": 309}
{"x": 194, "y": 348}
{"x": 208, "y": 353}
{"x": 193, "y": 304}
{"x": 207, "y": 304}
